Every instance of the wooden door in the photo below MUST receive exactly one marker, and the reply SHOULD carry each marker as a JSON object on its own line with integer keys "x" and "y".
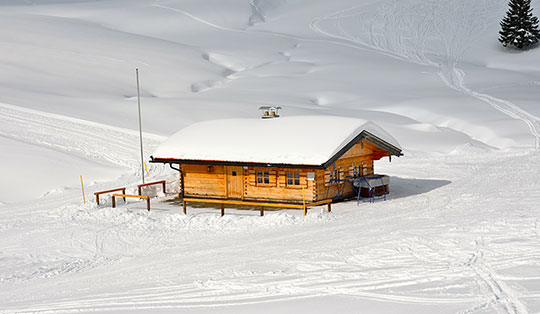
{"x": 235, "y": 182}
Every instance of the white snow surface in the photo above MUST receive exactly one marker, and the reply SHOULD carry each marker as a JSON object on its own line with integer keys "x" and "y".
{"x": 308, "y": 140}
{"x": 459, "y": 233}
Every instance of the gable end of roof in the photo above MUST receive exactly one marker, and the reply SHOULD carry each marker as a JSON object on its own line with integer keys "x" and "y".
{"x": 364, "y": 135}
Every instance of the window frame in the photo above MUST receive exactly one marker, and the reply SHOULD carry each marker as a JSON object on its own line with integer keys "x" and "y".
{"x": 293, "y": 180}
{"x": 258, "y": 177}
{"x": 262, "y": 177}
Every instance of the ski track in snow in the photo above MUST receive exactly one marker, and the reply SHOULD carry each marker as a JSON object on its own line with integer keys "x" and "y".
{"x": 395, "y": 17}
{"x": 411, "y": 48}
{"x": 454, "y": 78}
{"x": 414, "y": 265}
{"x": 398, "y": 33}
{"x": 427, "y": 264}
{"x": 89, "y": 140}
{"x": 249, "y": 31}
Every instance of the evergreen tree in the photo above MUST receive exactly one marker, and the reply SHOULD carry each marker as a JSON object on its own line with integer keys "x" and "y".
{"x": 519, "y": 28}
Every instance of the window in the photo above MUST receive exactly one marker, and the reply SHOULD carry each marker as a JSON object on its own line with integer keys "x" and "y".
{"x": 364, "y": 170}
{"x": 293, "y": 178}
{"x": 263, "y": 177}
{"x": 332, "y": 176}
{"x": 234, "y": 173}
{"x": 360, "y": 171}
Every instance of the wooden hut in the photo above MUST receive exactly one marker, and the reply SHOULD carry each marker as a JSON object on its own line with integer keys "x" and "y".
{"x": 283, "y": 160}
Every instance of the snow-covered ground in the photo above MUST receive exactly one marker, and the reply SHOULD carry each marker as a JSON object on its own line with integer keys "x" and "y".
{"x": 458, "y": 234}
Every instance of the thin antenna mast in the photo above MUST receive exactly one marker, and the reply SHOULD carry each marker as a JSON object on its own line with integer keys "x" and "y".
{"x": 140, "y": 124}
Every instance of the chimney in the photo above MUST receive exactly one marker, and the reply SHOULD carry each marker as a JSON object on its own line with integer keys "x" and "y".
{"x": 269, "y": 112}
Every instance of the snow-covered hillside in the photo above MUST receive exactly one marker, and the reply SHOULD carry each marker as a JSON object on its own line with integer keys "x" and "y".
{"x": 459, "y": 233}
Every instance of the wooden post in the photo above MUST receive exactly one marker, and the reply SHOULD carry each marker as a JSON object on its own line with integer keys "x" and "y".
{"x": 304, "y": 201}
{"x": 148, "y": 204}
{"x": 184, "y": 205}
{"x": 147, "y": 173}
{"x": 262, "y": 211}
{"x": 140, "y": 190}
{"x": 140, "y": 125}
{"x": 329, "y": 207}
{"x": 222, "y": 209}
{"x": 82, "y": 187}
{"x": 164, "y": 191}
{"x": 97, "y": 194}
{"x": 113, "y": 202}
{"x": 226, "y": 182}
{"x": 244, "y": 183}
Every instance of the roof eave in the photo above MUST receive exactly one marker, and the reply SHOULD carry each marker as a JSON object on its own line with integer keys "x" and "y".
{"x": 370, "y": 137}
{"x": 232, "y": 163}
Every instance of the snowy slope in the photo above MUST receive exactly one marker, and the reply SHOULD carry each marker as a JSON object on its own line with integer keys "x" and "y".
{"x": 446, "y": 241}
{"x": 459, "y": 233}
{"x": 194, "y": 60}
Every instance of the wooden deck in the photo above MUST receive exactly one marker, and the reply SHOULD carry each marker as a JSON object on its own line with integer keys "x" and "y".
{"x": 262, "y": 205}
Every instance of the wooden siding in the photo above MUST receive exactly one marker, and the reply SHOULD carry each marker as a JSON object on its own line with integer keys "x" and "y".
{"x": 357, "y": 156}
{"x": 199, "y": 182}
{"x": 278, "y": 189}
{"x": 327, "y": 190}
{"x": 233, "y": 182}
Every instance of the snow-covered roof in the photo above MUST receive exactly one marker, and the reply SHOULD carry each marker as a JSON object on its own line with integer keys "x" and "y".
{"x": 297, "y": 140}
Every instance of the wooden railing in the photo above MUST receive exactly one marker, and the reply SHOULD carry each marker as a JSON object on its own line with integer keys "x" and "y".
{"x": 146, "y": 197}
{"x": 140, "y": 186}
{"x": 97, "y": 194}
{"x": 251, "y": 203}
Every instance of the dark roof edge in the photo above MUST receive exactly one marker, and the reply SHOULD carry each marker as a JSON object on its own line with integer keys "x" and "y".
{"x": 370, "y": 137}
{"x": 231, "y": 163}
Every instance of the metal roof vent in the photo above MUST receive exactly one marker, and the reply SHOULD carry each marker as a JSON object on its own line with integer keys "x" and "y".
{"x": 269, "y": 112}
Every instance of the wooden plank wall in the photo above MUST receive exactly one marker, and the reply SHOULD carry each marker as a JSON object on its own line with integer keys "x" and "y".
{"x": 199, "y": 182}
{"x": 325, "y": 190}
{"x": 277, "y": 189}
{"x": 356, "y": 156}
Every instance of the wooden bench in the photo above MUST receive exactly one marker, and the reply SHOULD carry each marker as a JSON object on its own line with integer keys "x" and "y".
{"x": 97, "y": 194}
{"x": 248, "y": 203}
{"x": 146, "y": 197}
{"x": 140, "y": 186}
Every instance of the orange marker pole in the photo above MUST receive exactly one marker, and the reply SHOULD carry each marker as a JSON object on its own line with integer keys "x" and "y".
{"x": 304, "y": 201}
{"x": 82, "y": 187}
{"x": 147, "y": 173}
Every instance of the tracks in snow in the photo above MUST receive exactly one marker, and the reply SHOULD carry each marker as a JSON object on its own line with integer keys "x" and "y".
{"x": 419, "y": 37}
{"x": 420, "y": 258}
{"x": 501, "y": 292}
{"x": 89, "y": 140}
{"x": 453, "y": 77}
{"x": 422, "y": 37}
{"x": 415, "y": 31}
